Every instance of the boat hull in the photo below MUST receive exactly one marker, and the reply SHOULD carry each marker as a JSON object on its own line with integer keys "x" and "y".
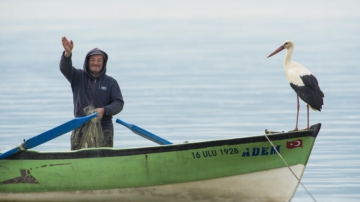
{"x": 221, "y": 170}
{"x": 270, "y": 185}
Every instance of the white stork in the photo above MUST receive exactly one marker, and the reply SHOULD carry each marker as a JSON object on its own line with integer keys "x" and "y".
{"x": 302, "y": 81}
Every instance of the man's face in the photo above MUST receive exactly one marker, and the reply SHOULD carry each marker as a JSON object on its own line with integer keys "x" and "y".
{"x": 96, "y": 64}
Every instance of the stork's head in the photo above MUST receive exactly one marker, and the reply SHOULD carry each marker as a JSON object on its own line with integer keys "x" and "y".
{"x": 287, "y": 45}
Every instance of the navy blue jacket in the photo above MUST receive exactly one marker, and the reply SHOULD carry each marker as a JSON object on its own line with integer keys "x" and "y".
{"x": 102, "y": 91}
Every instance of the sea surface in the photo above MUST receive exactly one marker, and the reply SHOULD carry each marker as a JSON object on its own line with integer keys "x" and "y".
{"x": 192, "y": 71}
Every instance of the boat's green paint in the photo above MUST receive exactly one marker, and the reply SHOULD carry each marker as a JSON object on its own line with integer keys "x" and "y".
{"x": 96, "y": 169}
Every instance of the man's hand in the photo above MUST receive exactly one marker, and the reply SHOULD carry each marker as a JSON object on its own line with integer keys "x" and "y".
{"x": 101, "y": 112}
{"x": 68, "y": 46}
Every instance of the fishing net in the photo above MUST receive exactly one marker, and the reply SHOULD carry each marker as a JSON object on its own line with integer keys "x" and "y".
{"x": 92, "y": 134}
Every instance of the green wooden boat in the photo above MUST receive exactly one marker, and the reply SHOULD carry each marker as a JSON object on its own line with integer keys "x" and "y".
{"x": 239, "y": 169}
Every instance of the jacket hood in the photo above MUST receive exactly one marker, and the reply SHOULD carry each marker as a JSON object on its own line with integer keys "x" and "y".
{"x": 95, "y": 51}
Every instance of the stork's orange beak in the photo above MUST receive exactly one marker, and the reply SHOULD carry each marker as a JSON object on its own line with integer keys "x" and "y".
{"x": 276, "y": 51}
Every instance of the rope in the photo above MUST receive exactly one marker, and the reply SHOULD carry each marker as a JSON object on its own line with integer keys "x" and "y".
{"x": 290, "y": 168}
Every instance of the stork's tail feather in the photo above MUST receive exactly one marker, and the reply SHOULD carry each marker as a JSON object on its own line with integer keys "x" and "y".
{"x": 314, "y": 102}
{"x": 315, "y": 109}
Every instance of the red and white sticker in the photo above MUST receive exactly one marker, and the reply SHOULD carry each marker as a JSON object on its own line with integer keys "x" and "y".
{"x": 294, "y": 144}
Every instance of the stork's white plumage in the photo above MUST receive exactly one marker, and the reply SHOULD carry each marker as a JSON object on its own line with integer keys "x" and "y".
{"x": 302, "y": 81}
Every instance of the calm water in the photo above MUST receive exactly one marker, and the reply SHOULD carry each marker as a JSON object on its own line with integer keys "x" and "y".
{"x": 192, "y": 71}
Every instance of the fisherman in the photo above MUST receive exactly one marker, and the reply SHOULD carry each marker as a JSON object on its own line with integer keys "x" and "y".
{"x": 92, "y": 87}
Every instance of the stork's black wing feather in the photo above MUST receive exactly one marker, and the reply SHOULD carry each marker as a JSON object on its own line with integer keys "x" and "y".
{"x": 310, "y": 92}
{"x": 311, "y": 82}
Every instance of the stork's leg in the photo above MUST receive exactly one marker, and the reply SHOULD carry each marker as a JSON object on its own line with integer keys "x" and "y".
{"x": 308, "y": 117}
{"x": 297, "y": 113}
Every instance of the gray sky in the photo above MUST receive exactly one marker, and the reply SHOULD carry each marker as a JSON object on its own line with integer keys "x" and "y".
{"x": 184, "y": 9}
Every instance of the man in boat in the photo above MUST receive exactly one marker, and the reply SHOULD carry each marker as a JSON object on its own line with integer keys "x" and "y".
{"x": 92, "y": 87}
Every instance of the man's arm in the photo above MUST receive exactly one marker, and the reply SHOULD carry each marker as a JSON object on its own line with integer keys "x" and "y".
{"x": 117, "y": 101}
{"x": 66, "y": 67}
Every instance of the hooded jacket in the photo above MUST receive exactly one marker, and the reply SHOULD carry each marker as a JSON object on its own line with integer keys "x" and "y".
{"x": 101, "y": 92}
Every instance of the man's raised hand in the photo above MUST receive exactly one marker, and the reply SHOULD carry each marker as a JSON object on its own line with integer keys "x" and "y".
{"x": 68, "y": 46}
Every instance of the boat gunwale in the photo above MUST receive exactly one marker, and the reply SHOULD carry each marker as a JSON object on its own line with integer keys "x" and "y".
{"x": 110, "y": 152}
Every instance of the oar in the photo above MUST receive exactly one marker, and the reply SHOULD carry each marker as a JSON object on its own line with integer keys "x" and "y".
{"x": 48, "y": 135}
{"x": 143, "y": 133}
